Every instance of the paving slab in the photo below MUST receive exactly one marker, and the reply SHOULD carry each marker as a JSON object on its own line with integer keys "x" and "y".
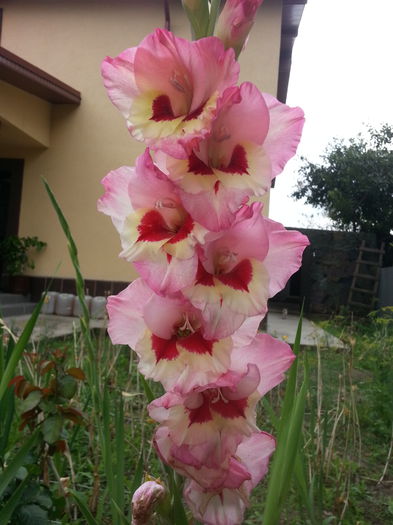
{"x": 52, "y": 326}
{"x": 284, "y": 327}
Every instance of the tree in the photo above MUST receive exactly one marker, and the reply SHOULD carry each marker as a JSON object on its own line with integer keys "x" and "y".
{"x": 354, "y": 183}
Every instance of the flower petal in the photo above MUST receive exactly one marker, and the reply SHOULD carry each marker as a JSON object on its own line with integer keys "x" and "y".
{"x": 167, "y": 275}
{"x": 284, "y": 257}
{"x": 286, "y": 125}
{"x": 125, "y": 310}
{"x": 115, "y": 202}
{"x": 119, "y": 80}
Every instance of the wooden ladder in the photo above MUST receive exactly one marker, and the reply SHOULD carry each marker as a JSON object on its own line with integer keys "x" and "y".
{"x": 367, "y": 270}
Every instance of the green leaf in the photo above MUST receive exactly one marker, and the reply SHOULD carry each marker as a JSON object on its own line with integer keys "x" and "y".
{"x": 19, "y": 348}
{"x": 120, "y": 452}
{"x": 137, "y": 480}
{"x": 198, "y": 17}
{"x": 147, "y": 389}
{"x": 7, "y": 411}
{"x": 106, "y": 444}
{"x": 179, "y": 514}
{"x": 67, "y": 386}
{"x": 8, "y": 474}
{"x": 214, "y": 8}
{"x": 31, "y": 514}
{"x": 31, "y": 401}
{"x": 73, "y": 251}
{"x": 289, "y": 437}
{"x": 52, "y": 428}
{"x": 11, "y": 504}
{"x": 120, "y": 515}
{"x": 84, "y": 508}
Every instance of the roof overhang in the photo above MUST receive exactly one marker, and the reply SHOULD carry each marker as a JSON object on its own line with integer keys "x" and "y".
{"x": 292, "y": 11}
{"x": 21, "y": 74}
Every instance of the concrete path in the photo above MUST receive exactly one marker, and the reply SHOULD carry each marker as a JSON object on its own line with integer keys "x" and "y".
{"x": 52, "y": 326}
{"x": 312, "y": 334}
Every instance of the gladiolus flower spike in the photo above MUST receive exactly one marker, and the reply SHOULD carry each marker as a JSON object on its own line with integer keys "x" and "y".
{"x": 207, "y": 257}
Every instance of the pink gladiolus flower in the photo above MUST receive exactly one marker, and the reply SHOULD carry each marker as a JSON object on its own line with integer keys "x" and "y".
{"x": 235, "y": 22}
{"x": 156, "y": 232}
{"x": 201, "y": 430}
{"x": 226, "y": 506}
{"x": 144, "y": 501}
{"x": 168, "y": 336}
{"x": 252, "y": 137}
{"x": 236, "y": 275}
{"x": 204, "y": 427}
{"x": 157, "y": 87}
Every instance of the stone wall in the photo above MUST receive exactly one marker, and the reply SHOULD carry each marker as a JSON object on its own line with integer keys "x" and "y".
{"x": 326, "y": 275}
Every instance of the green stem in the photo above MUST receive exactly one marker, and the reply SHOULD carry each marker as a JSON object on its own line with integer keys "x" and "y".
{"x": 214, "y": 8}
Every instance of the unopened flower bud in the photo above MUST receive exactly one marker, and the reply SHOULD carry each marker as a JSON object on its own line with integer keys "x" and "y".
{"x": 193, "y": 5}
{"x": 198, "y": 14}
{"x": 144, "y": 501}
{"x": 235, "y": 22}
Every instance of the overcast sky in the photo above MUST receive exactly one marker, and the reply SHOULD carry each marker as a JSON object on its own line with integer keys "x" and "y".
{"x": 342, "y": 77}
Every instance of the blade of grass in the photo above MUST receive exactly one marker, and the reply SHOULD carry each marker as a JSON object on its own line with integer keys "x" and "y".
{"x": 137, "y": 480}
{"x": 290, "y": 388}
{"x": 73, "y": 251}
{"x": 92, "y": 371}
{"x": 122, "y": 518}
{"x": 84, "y": 509}
{"x": 13, "y": 466}
{"x": 19, "y": 348}
{"x": 270, "y": 412}
{"x": 7, "y": 409}
{"x": 107, "y": 454}
{"x": 119, "y": 447}
{"x": 289, "y": 434}
{"x": 285, "y": 456}
{"x": 101, "y": 403}
{"x": 179, "y": 514}
{"x": 147, "y": 389}
{"x": 2, "y": 352}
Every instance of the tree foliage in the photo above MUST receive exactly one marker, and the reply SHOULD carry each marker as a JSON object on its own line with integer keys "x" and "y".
{"x": 354, "y": 182}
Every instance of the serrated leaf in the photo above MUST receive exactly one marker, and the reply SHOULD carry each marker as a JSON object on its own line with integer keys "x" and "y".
{"x": 43, "y": 499}
{"x": 21, "y": 473}
{"x": 31, "y": 515}
{"x": 31, "y": 401}
{"x": 51, "y": 428}
{"x": 77, "y": 373}
{"x": 67, "y": 386}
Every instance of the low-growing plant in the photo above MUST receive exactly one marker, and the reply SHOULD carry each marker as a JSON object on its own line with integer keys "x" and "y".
{"x": 15, "y": 253}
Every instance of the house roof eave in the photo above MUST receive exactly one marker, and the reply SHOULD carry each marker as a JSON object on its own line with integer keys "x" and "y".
{"x": 292, "y": 11}
{"x": 26, "y": 76}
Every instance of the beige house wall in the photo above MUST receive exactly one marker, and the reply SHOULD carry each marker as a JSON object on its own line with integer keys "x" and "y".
{"x": 69, "y": 39}
{"x": 25, "y": 112}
